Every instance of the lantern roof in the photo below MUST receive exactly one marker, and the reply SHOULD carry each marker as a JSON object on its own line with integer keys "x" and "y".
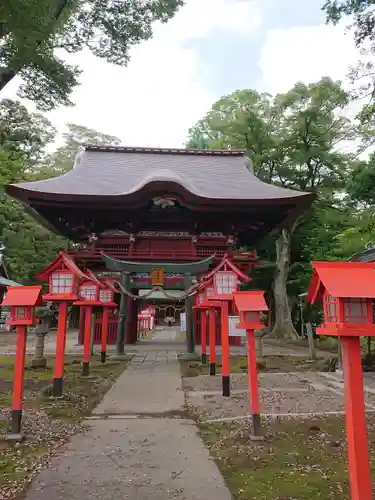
{"x": 91, "y": 276}
{"x": 62, "y": 262}
{"x": 342, "y": 279}
{"x": 227, "y": 265}
{"x": 250, "y": 300}
{"x": 22, "y": 296}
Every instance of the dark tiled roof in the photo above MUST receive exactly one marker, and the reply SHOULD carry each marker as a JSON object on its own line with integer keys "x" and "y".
{"x": 366, "y": 256}
{"x": 120, "y": 171}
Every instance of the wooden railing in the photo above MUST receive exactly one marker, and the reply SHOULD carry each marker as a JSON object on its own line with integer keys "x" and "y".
{"x": 159, "y": 254}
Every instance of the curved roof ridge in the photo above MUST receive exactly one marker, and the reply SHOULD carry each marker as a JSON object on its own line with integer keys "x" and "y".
{"x": 119, "y": 172}
{"x": 165, "y": 175}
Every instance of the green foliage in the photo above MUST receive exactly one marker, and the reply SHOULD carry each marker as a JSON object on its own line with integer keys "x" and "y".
{"x": 24, "y": 138}
{"x": 32, "y": 30}
{"x": 362, "y": 11}
{"x": 292, "y": 140}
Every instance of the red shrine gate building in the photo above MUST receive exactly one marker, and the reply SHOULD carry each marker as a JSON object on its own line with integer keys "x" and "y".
{"x": 131, "y": 211}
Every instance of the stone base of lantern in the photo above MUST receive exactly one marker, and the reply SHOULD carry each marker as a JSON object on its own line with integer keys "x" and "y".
{"x": 190, "y": 356}
{"x": 39, "y": 362}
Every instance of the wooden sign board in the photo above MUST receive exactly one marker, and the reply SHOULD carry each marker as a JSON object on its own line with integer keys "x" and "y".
{"x": 232, "y": 327}
{"x": 157, "y": 276}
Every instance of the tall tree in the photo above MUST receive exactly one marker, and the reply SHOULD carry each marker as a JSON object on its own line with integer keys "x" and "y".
{"x": 362, "y": 75}
{"x": 292, "y": 140}
{"x": 32, "y": 30}
{"x": 23, "y": 133}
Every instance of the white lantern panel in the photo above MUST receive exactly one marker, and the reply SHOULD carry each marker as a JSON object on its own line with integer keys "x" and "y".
{"x": 61, "y": 283}
{"x": 105, "y": 296}
{"x": 225, "y": 282}
{"x": 21, "y": 313}
{"x": 201, "y": 297}
{"x": 331, "y": 309}
{"x": 355, "y": 310}
{"x": 88, "y": 292}
{"x": 210, "y": 291}
{"x": 252, "y": 316}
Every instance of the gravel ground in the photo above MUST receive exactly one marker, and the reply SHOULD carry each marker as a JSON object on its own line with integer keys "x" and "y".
{"x": 34, "y": 454}
{"x": 240, "y": 381}
{"x": 280, "y": 393}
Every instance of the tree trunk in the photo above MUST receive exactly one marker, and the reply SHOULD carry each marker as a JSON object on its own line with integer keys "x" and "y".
{"x": 283, "y": 319}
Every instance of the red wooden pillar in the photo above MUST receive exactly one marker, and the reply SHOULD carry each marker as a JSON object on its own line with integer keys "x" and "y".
{"x": 58, "y": 379}
{"x": 359, "y": 464}
{"x": 253, "y": 382}
{"x": 225, "y": 349}
{"x": 212, "y": 333}
{"x": 81, "y": 324}
{"x": 104, "y": 339}
{"x": 204, "y": 336}
{"x": 19, "y": 371}
{"x": 87, "y": 342}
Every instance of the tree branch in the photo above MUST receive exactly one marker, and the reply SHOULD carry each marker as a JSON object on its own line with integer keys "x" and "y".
{"x": 7, "y": 74}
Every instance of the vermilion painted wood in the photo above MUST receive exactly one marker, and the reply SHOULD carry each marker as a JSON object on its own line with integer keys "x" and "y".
{"x": 252, "y": 372}
{"x": 204, "y": 332}
{"x": 224, "y": 339}
{"x": 60, "y": 340}
{"x": 198, "y": 337}
{"x": 212, "y": 336}
{"x": 87, "y": 335}
{"x": 19, "y": 368}
{"x": 359, "y": 464}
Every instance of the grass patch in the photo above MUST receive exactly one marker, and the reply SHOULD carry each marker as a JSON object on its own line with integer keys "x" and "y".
{"x": 299, "y": 460}
{"x": 271, "y": 364}
{"x": 49, "y": 422}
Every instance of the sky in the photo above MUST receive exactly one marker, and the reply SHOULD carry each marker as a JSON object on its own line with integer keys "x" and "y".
{"x": 209, "y": 49}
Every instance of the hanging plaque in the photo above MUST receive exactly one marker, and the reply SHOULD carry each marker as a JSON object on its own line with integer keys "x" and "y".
{"x": 157, "y": 276}
{"x": 232, "y": 327}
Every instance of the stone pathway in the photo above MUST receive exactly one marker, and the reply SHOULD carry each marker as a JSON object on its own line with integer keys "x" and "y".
{"x": 137, "y": 447}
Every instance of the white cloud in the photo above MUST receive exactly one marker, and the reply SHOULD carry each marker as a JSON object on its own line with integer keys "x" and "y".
{"x": 161, "y": 93}
{"x": 305, "y": 54}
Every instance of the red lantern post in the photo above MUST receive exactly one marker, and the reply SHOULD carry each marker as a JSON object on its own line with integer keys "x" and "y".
{"x": 201, "y": 297}
{"x": 224, "y": 284}
{"x": 106, "y": 297}
{"x": 63, "y": 277}
{"x": 212, "y": 334}
{"x": 22, "y": 300}
{"x": 88, "y": 293}
{"x": 219, "y": 286}
{"x": 347, "y": 290}
{"x": 250, "y": 304}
